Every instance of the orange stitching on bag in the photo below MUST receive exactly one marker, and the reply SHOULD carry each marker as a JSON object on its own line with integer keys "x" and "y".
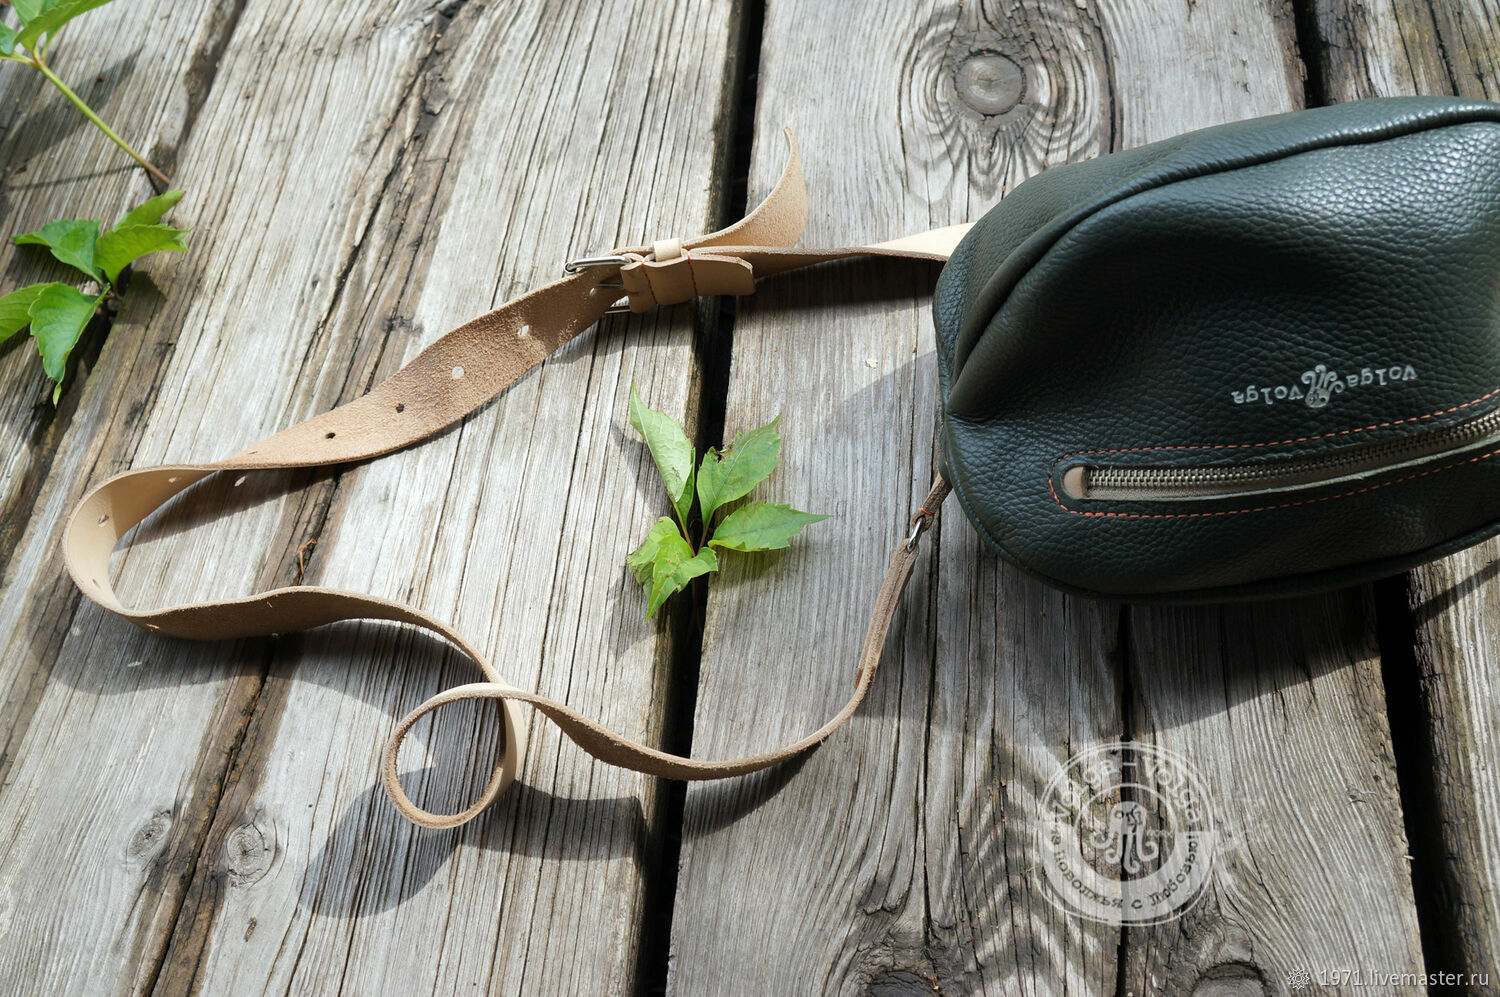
{"x": 1281, "y": 443}
{"x": 1267, "y": 508}
{"x": 691, "y": 276}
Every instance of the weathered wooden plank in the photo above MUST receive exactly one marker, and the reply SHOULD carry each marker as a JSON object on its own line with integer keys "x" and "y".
{"x": 1388, "y": 49}
{"x": 883, "y": 862}
{"x": 1280, "y": 710}
{"x": 515, "y": 527}
{"x": 146, "y": 68}
{"x": 315, "y": 150}
{"x": 1394, "y": 47}
{"x": 922, "y": 862}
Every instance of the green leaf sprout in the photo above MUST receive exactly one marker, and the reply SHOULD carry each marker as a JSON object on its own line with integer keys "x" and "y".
{"x": 667, "y": 560}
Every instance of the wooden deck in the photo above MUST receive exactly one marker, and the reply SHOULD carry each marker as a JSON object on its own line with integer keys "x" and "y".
{"x": 179, "y": 817}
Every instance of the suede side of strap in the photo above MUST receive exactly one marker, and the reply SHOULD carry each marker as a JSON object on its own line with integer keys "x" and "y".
{"x": 449, "y": 379}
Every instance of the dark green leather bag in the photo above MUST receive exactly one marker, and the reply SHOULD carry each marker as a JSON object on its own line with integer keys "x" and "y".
{"x": 1253, "y": 360}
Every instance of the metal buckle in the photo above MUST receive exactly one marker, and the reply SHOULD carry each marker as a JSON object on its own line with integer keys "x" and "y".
{"x": 583, "y": 263}
{"x": 589, "y": 262}
{"x": 918, "y": 528}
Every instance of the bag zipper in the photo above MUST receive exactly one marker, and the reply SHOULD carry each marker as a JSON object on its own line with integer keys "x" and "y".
{"x": 1166, "y": 484}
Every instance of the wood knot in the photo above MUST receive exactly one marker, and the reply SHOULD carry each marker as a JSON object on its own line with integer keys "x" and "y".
{"x": 989, "y": 82}
{"x": 150, "y": 837}
{"x": 998, "y": 94}
{"x": 901, "y": 983}
{"x": 249, "y": 852}
{"x": 1232, "y": 979}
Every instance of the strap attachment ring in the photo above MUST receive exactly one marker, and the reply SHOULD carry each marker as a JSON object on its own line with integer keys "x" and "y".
{"x": 920, "y": 522}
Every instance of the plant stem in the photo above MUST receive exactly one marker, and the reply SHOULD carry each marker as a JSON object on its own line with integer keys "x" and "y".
{"x": 88, "y": 112}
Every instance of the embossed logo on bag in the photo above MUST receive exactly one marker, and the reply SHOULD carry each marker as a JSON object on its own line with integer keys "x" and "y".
{"x": 1317, "y": 386}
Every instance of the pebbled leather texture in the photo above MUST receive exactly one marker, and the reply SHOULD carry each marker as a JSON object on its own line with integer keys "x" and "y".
{"x": 1112, "y": 311}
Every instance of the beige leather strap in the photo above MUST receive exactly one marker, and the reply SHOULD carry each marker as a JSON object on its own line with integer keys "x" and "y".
{"x": 445, "y": 382}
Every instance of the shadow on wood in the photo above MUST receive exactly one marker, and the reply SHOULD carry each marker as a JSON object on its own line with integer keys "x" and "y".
{"x": 517, "y": 823}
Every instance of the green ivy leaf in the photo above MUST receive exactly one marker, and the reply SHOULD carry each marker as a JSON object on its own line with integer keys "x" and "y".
{"x": 684, "y": 501}
{"x": 150, "y": 212}
{"x": 676, "y": 565}
{"x": 15, "y": 309}
{"x": 53, "y": 15}
{"x": 745, "y": 463}
{"x": 7, "y": 39}
{"x": 121, "y": 246}
{"x": 668, "y": 444}
{"x": 27, "y": 9}
{"x": 58, "y": 317}
{"x": 761, "y": 526}
{"x": 72, "y": 242}
{"x": 641, "y": 560}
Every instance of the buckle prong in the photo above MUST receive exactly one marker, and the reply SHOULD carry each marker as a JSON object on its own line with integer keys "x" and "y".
{"x": 589, "y": 262}
{"x": 583, "y": 263}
